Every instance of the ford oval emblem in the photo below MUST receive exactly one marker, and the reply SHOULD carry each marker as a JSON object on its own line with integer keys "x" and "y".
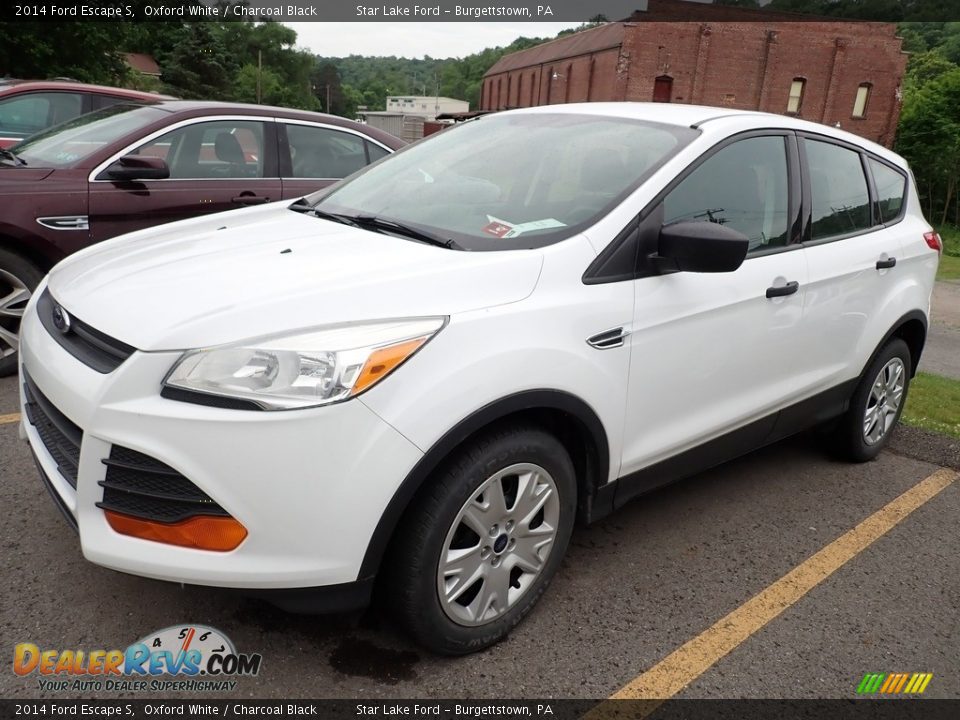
{"x": 61, "y": 320}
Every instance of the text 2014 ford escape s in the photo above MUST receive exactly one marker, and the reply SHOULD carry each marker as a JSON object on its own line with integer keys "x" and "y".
{"x": 423, "y": 376}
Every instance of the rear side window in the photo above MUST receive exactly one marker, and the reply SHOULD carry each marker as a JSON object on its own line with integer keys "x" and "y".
{"x": 891, "y": 187}
{"x": 839, "y": 196}
{"x": 743, "y": 186}
{"x": 317, "y": 152}
{"x": 376, "y": 152}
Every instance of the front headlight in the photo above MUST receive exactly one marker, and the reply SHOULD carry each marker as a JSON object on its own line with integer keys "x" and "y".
{"x": 303, "y": 370}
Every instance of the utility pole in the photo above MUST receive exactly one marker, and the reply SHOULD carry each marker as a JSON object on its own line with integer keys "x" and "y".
{"x": 328, "y": 98}
{"x": 259, "y": 73}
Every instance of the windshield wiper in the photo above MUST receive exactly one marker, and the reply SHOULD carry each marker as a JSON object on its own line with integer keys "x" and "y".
{"x": 302, "y": 207}
{"x": 377, "y": 223}
{"x": 17, "y": 160}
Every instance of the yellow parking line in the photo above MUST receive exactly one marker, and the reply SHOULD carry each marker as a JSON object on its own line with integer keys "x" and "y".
{"x": 11, "y": 418}
{"x": 688, "y": 662}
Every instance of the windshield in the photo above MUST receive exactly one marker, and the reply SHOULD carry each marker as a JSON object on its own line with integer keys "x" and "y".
{"x": 66, "y": 144}
{"x": 512, "y": 180}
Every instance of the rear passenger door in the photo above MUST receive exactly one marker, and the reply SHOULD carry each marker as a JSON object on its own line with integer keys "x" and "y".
{"x": 313, "y": 156}
{"x": 851, "y": 257}
{"x": 215, "y": 165}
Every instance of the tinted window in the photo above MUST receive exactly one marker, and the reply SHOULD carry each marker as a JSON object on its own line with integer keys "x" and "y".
{"x": 23, "y": 115}
{"x": 211, "y": 150}
{"x": 838, "y": 190}
{"x": 317, "y": 152}
{"x": 104, "y": 101}
{"x": 890, "y": 189}
{"x": 66, "y": 144}
{"x": 743, "y": 186}
{"x": 376, "y": 151}
{"x": 504, "y": 182}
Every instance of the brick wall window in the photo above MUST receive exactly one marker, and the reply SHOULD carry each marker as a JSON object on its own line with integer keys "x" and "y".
{"x": 860, "y": 102}
{"x": 795, "y": 100}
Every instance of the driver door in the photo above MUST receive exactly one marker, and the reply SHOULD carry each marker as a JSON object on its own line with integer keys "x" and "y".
{"x": 711, "y": 352}
{"x": 215, "y": 165}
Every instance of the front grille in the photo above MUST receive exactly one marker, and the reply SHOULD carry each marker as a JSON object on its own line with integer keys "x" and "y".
{"x": 88, "y": 345}
{"x": 139, "y": 485}
{"x": 59, "y": 435}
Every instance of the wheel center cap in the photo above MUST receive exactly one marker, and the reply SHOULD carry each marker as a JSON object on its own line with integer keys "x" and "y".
{"x": 500, "y": 544}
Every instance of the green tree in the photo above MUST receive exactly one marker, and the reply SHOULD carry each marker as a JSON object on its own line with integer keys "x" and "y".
{"x": 929, "y": 137}
{"x": 199, "y": 66}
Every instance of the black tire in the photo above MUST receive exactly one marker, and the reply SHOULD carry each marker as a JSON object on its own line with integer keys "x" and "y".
{"x": 849, "y": 440}
{"x": 30, "y": 276}
{"x": 410, "y": 590}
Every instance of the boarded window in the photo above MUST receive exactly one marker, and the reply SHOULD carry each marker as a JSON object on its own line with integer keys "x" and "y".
{"x": 663, "y": 89}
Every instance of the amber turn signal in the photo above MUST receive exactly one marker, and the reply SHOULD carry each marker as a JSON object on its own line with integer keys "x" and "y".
{"x": 383, "y": 361}
{"x": 201, "y": 532}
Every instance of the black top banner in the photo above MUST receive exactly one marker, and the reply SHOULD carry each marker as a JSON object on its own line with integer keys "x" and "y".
{"x": 479, "y": 10}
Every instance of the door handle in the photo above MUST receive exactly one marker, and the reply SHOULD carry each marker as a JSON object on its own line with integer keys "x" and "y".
{"x": 886, "y": 264}
{"x": 789, "y": 289}
{"x": 248, "y": 198}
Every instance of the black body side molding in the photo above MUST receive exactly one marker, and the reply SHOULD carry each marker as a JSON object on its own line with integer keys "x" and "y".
{"x": 533, "y": 400}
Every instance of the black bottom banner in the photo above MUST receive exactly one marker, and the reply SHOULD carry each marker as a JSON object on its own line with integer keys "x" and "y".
{"x": 878, "y": 709}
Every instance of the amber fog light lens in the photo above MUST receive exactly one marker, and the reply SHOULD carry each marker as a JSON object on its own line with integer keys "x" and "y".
{"x": 202, "y": 532}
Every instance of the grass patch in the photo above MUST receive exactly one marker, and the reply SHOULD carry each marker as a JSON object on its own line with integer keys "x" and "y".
{"x": 950, "y": 260}
{"x": 933, "y": 403}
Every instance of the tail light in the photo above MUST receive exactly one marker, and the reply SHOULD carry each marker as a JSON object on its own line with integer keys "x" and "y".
{"x": 934, "y": 241}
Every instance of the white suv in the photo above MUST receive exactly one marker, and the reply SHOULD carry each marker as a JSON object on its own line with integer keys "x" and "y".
{"x": 424, "y": 375}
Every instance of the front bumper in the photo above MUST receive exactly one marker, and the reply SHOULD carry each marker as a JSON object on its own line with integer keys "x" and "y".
{"x": 309, "y": 486}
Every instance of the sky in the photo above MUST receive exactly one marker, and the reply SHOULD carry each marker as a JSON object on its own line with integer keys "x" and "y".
{"x": 414, "y": 40}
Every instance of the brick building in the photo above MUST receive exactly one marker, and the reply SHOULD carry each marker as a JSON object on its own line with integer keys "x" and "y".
{"x": 844, "y": 72}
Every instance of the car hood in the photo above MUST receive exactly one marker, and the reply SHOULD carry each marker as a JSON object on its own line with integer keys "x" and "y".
{"x": 250, "y": 273}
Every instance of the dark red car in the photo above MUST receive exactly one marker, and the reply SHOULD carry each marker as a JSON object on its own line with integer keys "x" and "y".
{"x": 127, "y": 167}
{"x": 29, "y": 106}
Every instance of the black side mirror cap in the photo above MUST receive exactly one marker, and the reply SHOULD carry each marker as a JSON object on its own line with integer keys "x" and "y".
{"x": 138, "y": 167}
{"x": 700, "y": 246}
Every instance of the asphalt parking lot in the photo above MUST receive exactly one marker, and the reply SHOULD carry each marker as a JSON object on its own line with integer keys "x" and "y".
{"x": 635, "y": 589}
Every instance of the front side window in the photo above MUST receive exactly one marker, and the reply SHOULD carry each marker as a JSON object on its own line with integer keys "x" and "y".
{"x": 210, "y": 150}
{"x": 891, "y": 187}
{"x": 318, "y": 152}
{"x": 743, "y": 186}
{"x": 840, "y": 200}
{"x": 511, "y": 181}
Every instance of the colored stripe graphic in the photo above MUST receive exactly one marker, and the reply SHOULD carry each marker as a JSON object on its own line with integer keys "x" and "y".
{"x": 894, "y": 683}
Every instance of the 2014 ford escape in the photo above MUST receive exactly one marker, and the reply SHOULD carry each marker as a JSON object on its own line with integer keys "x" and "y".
{"x": 423, "y": 376}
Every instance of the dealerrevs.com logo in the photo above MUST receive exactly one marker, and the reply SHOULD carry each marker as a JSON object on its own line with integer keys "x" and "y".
{"x": 204, "y": 655}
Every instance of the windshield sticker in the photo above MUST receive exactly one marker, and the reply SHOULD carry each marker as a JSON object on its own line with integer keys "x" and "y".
{"x": 503, "y": 229}
{"x": 497, "y": 228}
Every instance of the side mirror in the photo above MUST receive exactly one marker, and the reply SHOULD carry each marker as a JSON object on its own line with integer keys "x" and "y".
{"x": 701, "y": 246}
{"x": 138, "y": 167}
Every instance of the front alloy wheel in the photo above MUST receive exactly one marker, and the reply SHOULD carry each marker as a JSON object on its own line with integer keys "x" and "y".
{"x": 498, "y": 544}
{"x": 482, "y": 540}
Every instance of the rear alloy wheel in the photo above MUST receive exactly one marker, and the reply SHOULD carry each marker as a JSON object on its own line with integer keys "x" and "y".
{"x": 482, "y": 543}
{"x": 876, "y": 405}
{"x": 18, "y": 278}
